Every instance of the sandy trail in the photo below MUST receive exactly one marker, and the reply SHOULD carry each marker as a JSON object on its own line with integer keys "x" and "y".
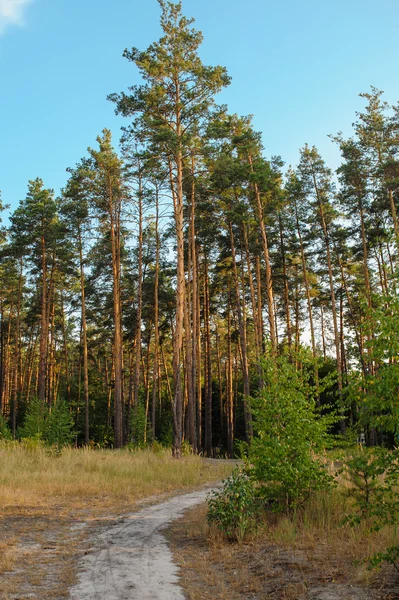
{"x": 131, "y": 560}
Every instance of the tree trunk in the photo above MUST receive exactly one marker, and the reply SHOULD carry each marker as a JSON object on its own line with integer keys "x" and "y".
{"x": 243, "y": 343}
{"x": 308, "y": 299}
{"x": 286, "y": 285}
{"x": 208, "y": 362}
{"x": 258, "y": 347}
{"x": 268, "y": 268}
{"x": 156, "y": 319}
{"x": 177, "y": 193}
{"x": 229, "y": 384}
{"x": 332, "y": 293}
{"x": 114, "y": 216}
{"x": 43, "y": 326}
{"x": 84, "y": 339}
{"x": 137, "y": 358}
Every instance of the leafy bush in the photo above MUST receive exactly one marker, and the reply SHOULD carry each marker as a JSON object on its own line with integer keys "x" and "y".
{"x": 233, "y": 509}
{"x": 289, "y": 431}
{"x": 376, "y": 393}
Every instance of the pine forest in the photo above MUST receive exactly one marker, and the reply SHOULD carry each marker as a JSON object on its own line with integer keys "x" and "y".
{"x": 180, "y": 276}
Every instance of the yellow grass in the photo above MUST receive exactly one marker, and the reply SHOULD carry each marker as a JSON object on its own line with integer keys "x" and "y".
{"x": 46, "y": 497}
{"x": 35, "y": 477}
{"x": 7, "y": 555}
{"x": 288, "y": 555}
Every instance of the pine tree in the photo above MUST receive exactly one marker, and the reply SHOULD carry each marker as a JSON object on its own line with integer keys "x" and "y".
{"x": 109, "y": 194}
{"x": 172, "y": 105}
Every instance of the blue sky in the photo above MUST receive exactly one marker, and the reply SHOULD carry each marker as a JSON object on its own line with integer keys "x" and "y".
{"x": 298, "y": 67}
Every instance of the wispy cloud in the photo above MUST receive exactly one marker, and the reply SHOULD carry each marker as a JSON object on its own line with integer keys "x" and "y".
{"x": 12, "y": 12}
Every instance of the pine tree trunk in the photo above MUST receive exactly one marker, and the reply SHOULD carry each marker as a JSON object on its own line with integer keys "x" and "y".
{"x": 137, "y": 358}
{"x": 177, "y": 193}
{"x": 394, "y": 219}
{"x": 308, "y": 299}
{"x": 66, "y": 353}
{"x": 260, "y": 305}
{"x": 220, "y": 385}
{"x": 198, "y": 357}
{"x": 208, "y": 380}
{"x": 229, "y": 385}
{"x": 41, "y": 391}
{"x": 18, "y": 356}
{"x": 86, "y": 395}
{"x": 243, "y": 344}
{"x": 118, "y": 362}
{"x": 258, "y": 349}
{"x": 191, "y": 347}
{"x": 268, "y": 269}
{"x": 332, "y": 293}
{"x": 156, "y": 320}
{"x": 286, "y": 284}
{"x": 1, "y": 359}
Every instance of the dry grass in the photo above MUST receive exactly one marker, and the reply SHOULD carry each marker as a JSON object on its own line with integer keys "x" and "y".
{"x": 51, "y": 503}
{"x": 44, "y": 552}
{"x": 8, "y": 555}
{"x": 286, "y": 558}
{"x": 34, "y": 477}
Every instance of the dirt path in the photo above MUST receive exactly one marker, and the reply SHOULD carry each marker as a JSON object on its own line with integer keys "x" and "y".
{"x": 131, "y": 560}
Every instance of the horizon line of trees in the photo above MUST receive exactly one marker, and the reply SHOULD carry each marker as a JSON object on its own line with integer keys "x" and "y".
{"x": 148, "y": 293}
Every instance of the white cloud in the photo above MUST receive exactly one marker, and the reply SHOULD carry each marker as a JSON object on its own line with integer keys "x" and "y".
{"x": 12, "y": 12}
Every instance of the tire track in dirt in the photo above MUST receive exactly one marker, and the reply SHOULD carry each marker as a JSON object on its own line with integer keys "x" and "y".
{"x": 131, "y": 560}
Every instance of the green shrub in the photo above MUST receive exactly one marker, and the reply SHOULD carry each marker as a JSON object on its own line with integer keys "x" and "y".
{"x": 289, "y": 433}
{"x": 59, "y": 426}
{"x": 52, "y": 426}
{"x": 374, "y": 475}
{"x": 233, "y": 509}
{"x": 138, "y": 425}
{"x": 35, "y": 420}
{"x": 5, "y": 433}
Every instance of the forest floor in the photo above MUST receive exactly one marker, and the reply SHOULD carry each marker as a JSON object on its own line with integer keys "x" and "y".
{"x": 73, "y": 526}
{"x": 48, "y": 527}
{"x": 276, "y": 563}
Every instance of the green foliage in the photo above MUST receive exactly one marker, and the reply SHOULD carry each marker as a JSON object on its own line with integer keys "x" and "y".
{"x": 138, "y": 424}
{"x": 376, "y": 393}
{"x": 391, "y": 556}
{"x": 35, "y": 419}
{"x": 374, "y": 475}
{"x": 59, "y": 426}
{"x": 166, "y": 431}
{"x": 290, "y": 431}
{"x": 186, "y": 448}
{"x": 54, "y": 427}
{"x": 5, "y": 433}
{"x": 233, "y": 509}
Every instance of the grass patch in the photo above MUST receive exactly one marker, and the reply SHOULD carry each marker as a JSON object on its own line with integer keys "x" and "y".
{"x": 81, "y": 478}
{"x": 51, "y": 503}
{"x": 288, "y": 557}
